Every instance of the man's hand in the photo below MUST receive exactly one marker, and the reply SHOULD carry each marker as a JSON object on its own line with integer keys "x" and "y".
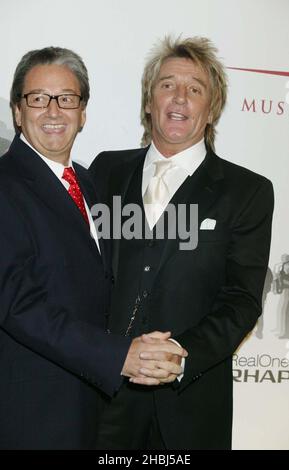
{"x": 152, "y": 359}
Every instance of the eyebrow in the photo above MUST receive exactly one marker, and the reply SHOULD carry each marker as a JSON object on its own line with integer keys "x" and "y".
{"x": 199, "y": 80}
{"x": 42, "y": 90}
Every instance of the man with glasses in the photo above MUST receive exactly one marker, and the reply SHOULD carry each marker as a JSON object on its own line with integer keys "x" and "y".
{"x": 55, "y": 272}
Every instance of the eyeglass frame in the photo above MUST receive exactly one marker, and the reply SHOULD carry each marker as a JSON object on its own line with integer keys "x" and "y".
{"x": 51, "y": 97}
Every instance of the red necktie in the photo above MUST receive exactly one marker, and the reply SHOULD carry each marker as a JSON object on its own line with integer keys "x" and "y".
{"x": 75, "y": 191}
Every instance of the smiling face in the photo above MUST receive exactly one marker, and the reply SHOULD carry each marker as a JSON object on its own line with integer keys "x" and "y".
{"x": 180, "y": 105}
{"x": 51, "y": 131}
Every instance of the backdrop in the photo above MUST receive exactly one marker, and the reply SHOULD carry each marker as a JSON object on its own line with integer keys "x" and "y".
{"x": 113, "y": 37}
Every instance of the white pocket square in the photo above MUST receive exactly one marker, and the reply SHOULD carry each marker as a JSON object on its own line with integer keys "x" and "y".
{"x": 208, "y": 224}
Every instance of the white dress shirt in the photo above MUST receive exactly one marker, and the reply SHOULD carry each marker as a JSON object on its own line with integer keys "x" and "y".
{"x": 184, "y": 163}
{"x": 58, "y": 169}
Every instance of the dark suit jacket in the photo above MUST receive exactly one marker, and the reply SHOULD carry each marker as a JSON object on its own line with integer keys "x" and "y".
{"x": 54, "y": 291}
{"x": 210, "y": 297}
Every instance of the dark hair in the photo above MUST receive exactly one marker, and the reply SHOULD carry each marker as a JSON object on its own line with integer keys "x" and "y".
{"x": 49, "y": 55}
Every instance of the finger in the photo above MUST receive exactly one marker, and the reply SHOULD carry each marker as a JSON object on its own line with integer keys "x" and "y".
{"x": 170, "y": 367}
{"x": 144, "y": 380}
{"x": 154, "y": 373}
{"x": 169, "y": 379}
{"x": 160, "y": 369}
{"x": 168, "y": 347}
{"x": 167, "y": 366}
{"x": 164, "y": 335}
{"x": 150, "y": 365}
{"x": 162, "y": 346}
{"x": 178, "y": 351}
{"x": 160, "y": 356}
{"x": 155, "y": 335}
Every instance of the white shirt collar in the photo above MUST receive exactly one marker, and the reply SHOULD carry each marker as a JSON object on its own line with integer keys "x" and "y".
{"x": 56, "y": 167}
{"x": 189, "y": 159}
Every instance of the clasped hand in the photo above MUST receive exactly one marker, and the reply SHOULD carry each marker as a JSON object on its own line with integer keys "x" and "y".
{"x": 153, "y": 359}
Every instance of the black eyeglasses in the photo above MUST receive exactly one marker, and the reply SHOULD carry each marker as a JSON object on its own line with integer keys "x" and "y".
{"x": 42, "y": 100}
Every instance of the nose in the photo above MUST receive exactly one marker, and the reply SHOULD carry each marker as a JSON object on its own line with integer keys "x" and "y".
{"x": 53, "y": 108}
{"x": 180, "y": 96}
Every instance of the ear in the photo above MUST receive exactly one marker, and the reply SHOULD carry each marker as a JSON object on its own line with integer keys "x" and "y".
{"x": 82, "y": 118}
{"x": 148, "y": 108}
{"x": 17, "y": 114}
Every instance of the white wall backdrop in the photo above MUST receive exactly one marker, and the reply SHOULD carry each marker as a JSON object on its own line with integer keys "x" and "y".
{"x": 113, "y": 37}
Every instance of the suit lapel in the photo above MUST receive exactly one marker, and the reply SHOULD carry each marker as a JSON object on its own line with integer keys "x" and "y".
{"x": 44, "y": 184}
{"x": 86, "y": 185}
{"x": 202, "y": 188}
{"x": 119, "y": 182}
{"x": 121, "y": 174}
{"x": 89, "y": 192}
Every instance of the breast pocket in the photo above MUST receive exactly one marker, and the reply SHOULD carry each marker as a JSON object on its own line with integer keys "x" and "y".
{"x": 217, "y": 235}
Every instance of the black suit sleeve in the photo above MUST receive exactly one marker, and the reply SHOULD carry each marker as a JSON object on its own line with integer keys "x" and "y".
{"x": 239, "y": 302}
{"x": 35, "y": 320}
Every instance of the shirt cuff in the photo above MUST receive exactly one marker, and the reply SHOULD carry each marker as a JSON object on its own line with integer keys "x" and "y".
{"x": 181, "y": 375}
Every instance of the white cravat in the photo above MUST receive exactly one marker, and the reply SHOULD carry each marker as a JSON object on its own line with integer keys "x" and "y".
{"x": 183, "y": 164}
{"x": 157, "y": 195}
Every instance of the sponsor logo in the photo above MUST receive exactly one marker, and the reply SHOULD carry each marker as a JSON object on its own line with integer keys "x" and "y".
{"x": 262, "y": 368}
{"x": 268, "y": 72}
{"x": 265, "y": 106}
